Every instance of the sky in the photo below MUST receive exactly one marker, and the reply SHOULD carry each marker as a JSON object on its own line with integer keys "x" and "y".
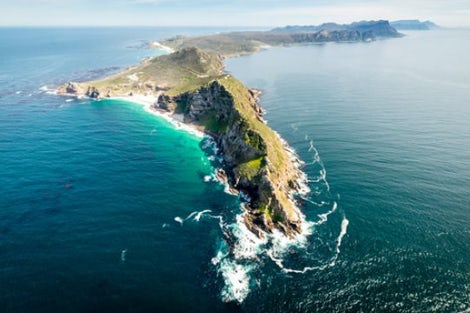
{"x": 449, "y": 13}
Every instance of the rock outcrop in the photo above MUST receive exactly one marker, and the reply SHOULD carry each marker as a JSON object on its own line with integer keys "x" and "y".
{"x": 256, "y": 161}
{"x": 93, "y": 92}
{"x": 72, "y": 88}
{"x": 254, "y": 157}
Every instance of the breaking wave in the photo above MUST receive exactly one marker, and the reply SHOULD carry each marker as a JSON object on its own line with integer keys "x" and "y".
{"x": 240, "y": 253}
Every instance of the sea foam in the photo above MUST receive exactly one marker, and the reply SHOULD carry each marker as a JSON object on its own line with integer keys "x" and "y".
{"x": 237, "y": 262}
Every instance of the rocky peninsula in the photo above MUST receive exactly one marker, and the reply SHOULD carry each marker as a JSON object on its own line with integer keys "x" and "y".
{"x": 190, "y": 84}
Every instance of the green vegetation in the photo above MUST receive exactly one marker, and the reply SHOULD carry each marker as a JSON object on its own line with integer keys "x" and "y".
{"x": 191, "y": 82}
{"x": 229, "y": 44}
{"x": 251, "y": 168}
{"x": 182, "y": 71}
{"x": 245, "y": 42}
{"x": 237, "y": 43}
{"x": 213, "y": 124}
{"x": 277, "y": 218}
{"x": 243, "y": 100}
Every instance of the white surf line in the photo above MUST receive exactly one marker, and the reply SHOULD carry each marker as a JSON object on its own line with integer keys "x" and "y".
{"x": 344, "y": 231}
{"x": 148, "y": 103}
{"x": 320, "y": 204}
{"x": 322, "y": 177}
{"x": 191, "y": 215}
{"x": 198, "y": 216}
{"x": 246, "y": 248}
{"x": 331, "y": 263}
{"x": 317, "y": 160}
{"x": 237, "y": 280}
{"x": 324, "y": 217}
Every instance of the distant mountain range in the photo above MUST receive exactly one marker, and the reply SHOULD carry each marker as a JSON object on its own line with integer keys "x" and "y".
{"x": 413, "y": 25}
{"x": 381, "y": 28}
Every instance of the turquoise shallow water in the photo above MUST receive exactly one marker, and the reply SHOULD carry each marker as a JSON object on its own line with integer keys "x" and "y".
{"x": 91, "y": 190}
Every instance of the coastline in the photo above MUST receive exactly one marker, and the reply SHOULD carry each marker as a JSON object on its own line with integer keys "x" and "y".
{"x": 147, "y": 102}
{"x": 301, "y": 182}
{"x": 270, "y": 220}
{"x": 297, "y": 186}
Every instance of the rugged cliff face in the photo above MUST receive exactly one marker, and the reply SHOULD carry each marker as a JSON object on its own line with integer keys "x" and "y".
{"x": 255, "y": 158}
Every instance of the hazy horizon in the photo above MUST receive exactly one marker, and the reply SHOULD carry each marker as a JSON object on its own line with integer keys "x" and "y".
{"x": 241, "y": 13}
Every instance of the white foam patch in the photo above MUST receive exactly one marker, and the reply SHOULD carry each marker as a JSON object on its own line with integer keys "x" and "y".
{"x": 209, "y": 143}
{"x": 317, "y": 204}
{"x": 218, "y": 257}
{"x": 198, "y": 216}
{"x": 236, "y": 262}
{"x": 344, "y": 231}
{"x": 247, "y": 245}
{"x": 332, "y": 262}
{"x": 246, "y": 250}
{"x": 237, "y": 280}
{"x": 123, "y": 255}
{"x": 191, "y": 215}
{"x": 229, "y": 190}
{"x": 339, "y": 240}
{"x": 195, "y": 216}
{"x": 324, "y": 217}
{"x": 179, "y": 220}
{"x": 48, "y": 90}
{"x": 319, "y": 178}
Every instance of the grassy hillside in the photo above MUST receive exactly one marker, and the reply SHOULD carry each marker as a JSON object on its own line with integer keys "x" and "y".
{"x": 191, "y": 82}
{"x": 184, "y": 70}
{"x": 237, "y": 43}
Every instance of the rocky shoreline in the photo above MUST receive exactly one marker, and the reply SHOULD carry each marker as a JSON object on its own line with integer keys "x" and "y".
{"x": 190, "y": 85}
{"x": 246, "y": 158}
{"x": 233, "y": 118}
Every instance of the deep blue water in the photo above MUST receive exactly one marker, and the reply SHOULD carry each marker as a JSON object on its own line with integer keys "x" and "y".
{"x": 91, "y": 190}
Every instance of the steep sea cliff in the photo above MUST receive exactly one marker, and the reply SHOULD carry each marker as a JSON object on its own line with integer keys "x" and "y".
{"x": 106, "y": 208}
{"x": 256, "y": 161}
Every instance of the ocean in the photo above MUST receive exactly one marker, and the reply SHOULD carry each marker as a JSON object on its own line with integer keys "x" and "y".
{"x": 107, "y": 208}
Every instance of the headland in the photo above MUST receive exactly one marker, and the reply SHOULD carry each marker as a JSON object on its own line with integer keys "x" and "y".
{"x": 191, "y": 86}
